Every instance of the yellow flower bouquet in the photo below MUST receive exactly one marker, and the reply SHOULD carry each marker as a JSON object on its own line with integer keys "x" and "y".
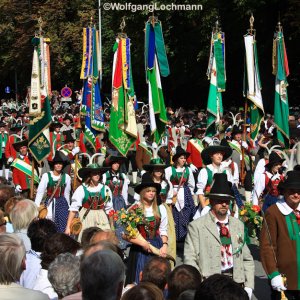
{"x": 250, "y": 215}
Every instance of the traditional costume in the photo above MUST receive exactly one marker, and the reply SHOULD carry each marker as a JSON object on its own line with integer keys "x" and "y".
{"x": 152, "y": 229}
{"x": 118, "y": 183}
{"x": 266, "y": 186}
{"x": 57, "y": 188}
{"x": 280, "y": 241}
{"x": 95, "y": 201}
{"x": 183, "y": 183}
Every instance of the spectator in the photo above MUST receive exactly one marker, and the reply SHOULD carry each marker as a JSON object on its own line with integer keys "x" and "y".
{"x": 187, "y": 295}
{"x": 6, "y": 192}
{"x": 87, "y": 234}
{"x": 22, "y": 214}
{"x": 182, "y": 278}
{"x": 107, "y": 235}
{"x": 156, "y": 271}
{"x": 38, "y": 232}
{"x": 58, "y": 243}
{"x": 145, "y": 291}
{"x": 102, "y": 276}
{"x": 103, "y": 245}
{"x": 12, "y": 254}
{"x": 2, "y": 222}
{"x": 8, "y": 206}
{"x": 220, "y": 287}
{"x": 64, "y": 274}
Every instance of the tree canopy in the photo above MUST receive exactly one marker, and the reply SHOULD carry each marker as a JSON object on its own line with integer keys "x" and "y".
{"x": 187, "y": 37}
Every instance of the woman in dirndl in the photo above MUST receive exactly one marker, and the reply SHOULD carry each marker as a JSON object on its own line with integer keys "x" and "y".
{"x": 118, "y": 184}
{"x": 182, "y": 179}
{"x": 57, "y": 187}
{"x": 266, "y": 185}
{"x": 154, "y": 229}
{"x": 156, "y": 169}
{"x": 93, "y": 199}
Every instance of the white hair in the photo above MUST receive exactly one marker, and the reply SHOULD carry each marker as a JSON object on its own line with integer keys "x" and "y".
{"x": 64, "y": 274}
{"x": 12, "y": 253}
{"x": 23, "y": 213}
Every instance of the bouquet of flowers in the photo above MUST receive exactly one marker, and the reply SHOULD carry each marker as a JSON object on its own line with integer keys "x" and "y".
{"x": 129, "y": 219}
{"x": 252, "y": 219}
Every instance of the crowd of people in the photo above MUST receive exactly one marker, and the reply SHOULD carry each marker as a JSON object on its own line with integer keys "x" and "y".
{"x": 63, "y": 227}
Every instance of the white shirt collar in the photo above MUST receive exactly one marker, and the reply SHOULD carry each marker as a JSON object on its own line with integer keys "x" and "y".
{"x": 284, "y": 208}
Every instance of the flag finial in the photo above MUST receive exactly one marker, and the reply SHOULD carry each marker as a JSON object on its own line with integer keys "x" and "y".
{"x": 251, "y": 30}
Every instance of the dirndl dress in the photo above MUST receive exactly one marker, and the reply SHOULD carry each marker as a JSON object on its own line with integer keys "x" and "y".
{"x": 137, "y": 256}
{"x": 60, "y": 206}
{"x": 116, "y": 185}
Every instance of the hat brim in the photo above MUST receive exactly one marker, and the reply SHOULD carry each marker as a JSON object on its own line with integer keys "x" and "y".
{"x": 144, "y": 185}
{"x": 150, "y": 167}
{"x": 176, "y": 156}
{"x": 17, "y": 146}
{"x": 114, "y": 159}
{"x": 207, "y": 152}
{"x": 285, "y": 186}
{"x": 220, "y": 196}
{"x": 62, "y": 162}
{"x": 272, "y": 163}
{"x": 85, "y": 172}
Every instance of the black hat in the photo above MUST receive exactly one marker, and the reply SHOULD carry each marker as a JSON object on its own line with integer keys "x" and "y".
{"x": 154, "y": 163}
{"x": 91, "y": 168}
{"x": 208, "y": 151}
{"x": 114, "y": 158}
{"x": 179, "y": 152}
{"x": 221, "y": 187}
{"x": 146, "y": 182}
{"x": 58, "y": 158}
{"x": 67, "y": 117}
{"x": 236, "y": 130}
{"x": 17, "y": 127}
{"x": 274, "y": 159}
{"x": 68, "y": 136}
{"x": 2, "y": 124}
{"x": 20, "y": 144}
{"x": 55, "y": 124}
{"x": 291, "y": 181}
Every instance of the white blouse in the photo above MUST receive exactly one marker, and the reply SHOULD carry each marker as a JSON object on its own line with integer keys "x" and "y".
{"x": 43, "y": 187}
{"x": 78, "y": 196}
{"x": 180, "y": 193}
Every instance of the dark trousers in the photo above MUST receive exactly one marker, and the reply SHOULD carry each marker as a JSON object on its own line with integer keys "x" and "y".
{"x": 291, "y": 295}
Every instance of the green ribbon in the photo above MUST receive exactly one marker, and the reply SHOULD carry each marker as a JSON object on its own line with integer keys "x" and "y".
{"x": 220, "y": 65}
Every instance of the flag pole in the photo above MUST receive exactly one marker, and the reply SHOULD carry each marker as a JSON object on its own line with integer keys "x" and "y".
{"x": 100, "y": 45}
{"x": 32, "y": 180}
{"x": 251, "y": 31}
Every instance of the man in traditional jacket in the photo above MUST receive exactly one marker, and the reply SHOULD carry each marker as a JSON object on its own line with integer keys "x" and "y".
{"x": 215, "y": 243}
{"x": 280, "y": 240}
{"x": 195, "y": 146}
{"x": 22, "y": 169}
